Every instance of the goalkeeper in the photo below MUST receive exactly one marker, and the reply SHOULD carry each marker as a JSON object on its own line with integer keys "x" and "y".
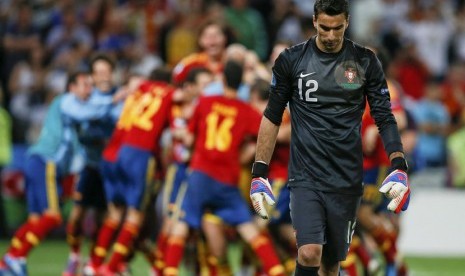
{"x": 326, "y": 81}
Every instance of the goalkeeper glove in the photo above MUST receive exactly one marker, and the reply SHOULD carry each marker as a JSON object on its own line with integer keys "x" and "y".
{"x": 396, "y": 186}
{"x": 260, "y": 189}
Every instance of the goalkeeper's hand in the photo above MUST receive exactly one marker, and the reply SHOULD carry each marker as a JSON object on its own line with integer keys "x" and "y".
{"x": 396, "y": 186}
{"x": 260, "y": 189}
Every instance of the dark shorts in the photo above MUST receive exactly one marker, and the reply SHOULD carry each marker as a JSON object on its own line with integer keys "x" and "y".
{"x": 324, "y": 218}
{"x": 89, "y": 191}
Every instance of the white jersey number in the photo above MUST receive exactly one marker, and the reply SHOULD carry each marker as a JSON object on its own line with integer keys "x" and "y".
{"x": 310, "y": 86}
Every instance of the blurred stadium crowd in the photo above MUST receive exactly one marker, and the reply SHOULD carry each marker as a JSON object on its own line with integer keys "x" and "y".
{"x": 420, "y": 42}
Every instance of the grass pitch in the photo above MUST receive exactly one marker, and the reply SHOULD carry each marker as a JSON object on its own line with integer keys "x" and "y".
{"x": 49, "y": 259}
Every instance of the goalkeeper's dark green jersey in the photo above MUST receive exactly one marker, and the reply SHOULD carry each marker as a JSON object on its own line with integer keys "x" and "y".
{"x": 327, "y": 93}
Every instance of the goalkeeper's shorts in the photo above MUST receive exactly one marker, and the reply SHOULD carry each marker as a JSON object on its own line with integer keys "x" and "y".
{"x": 324, "y": 218}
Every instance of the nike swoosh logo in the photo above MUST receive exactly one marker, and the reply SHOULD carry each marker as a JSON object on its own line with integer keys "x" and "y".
{"x": 302, "y": 75}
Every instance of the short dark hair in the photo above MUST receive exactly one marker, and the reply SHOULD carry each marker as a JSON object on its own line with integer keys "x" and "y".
{"x": 160, "y": 74}
{"x": 262, "y": 88}
{"x": 194, "y": 72}
{"x": 331, "y": 7}
{"x": 233, "y": 74}
{"x": 101, "y": 57}
{"x": 72, "y": 78}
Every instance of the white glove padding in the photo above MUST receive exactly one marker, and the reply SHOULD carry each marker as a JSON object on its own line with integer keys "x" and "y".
{"x": 260, "y": 191}
{"x": 396, "y": 187}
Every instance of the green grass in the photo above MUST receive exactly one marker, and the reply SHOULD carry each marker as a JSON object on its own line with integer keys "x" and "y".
{"x": 436, "y": 266}
{"x": 50, "y": 258}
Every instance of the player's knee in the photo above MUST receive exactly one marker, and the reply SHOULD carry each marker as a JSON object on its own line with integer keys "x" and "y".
{"x": 310, "y": 255}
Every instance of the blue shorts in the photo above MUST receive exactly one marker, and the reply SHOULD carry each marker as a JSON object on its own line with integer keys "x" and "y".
{"x": 89, "y": 191}
{"x": 137, "y": 169}
{"x": 43, "y": 185}
{"x": 176, "y": 175}
{"x": 224, "y": 201}
{"x": 281, "y": 212}
{"x": 112, "y": 182}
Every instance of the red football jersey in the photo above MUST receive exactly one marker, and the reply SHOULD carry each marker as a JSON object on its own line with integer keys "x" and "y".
{"x": 379, "y": 156}
{"x": 220, "y": 125}
{"x": 144, "y": 117}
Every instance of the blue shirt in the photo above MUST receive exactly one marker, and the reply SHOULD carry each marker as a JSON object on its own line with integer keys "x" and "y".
{"x": 94, "y": 133}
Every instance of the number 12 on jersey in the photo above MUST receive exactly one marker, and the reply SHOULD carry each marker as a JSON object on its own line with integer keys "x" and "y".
{"x": 310, "y": 86}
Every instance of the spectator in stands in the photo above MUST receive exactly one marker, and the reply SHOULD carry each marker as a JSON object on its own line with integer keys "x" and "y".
{"x": 21, "y": 38}
{"x": 453, "y": 89}
{"x": 71, "y": 34}
{"x": 433, "y": 120}
{"x": 27, "y": 91}
{"x": 248, "y": 26}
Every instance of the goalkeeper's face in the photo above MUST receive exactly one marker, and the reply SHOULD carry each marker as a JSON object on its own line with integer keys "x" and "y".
{"x": 330, "y": 31}
{"x": 213, "y": 41}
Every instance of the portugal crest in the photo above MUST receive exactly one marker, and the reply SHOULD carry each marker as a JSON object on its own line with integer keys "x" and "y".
{"x": 350, "y": 75}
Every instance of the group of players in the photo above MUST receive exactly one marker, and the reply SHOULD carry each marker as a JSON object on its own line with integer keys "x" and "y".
{"x": 189, "y": 131}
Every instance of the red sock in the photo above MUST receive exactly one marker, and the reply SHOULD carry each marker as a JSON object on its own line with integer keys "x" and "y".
{"x": 262, "y": 246}
{"x": 159, "y": 263}
{"x": 73, "y": 237}
{"x": 350, "y": 264}
{"x": 174, "y": 254}
{"x": 36, "y": 233}
{"x": 19, "y": 236}
{"x": 105, "y": 236}
{"x": 123, "y": 243}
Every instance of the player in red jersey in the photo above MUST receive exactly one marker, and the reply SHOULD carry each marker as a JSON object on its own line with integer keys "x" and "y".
{"x": 220, "y": 125}
{"x": 178, "y": 155}
{"x": 128, "y": 169}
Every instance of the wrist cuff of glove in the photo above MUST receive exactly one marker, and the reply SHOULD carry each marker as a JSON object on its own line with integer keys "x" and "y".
{"x": 399, "y": 163}
{"x": 260, "y": 169}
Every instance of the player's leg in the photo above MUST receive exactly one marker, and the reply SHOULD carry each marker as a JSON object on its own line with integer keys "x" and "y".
{"x": 309, "y": 221}
{"x": 74, "y": 229}
{"x": 341, "y": 211}
{"x": 229, "y": 204}
{"x": 213, "y": 230}
{"x": 44, "y": 212}
{"x": 132, "y": 162}
{"x": 115, "y": 211}
{"x": 198, "y": 190}
{"x": 280, "y": 225}
{"x": 174, "y": 190}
